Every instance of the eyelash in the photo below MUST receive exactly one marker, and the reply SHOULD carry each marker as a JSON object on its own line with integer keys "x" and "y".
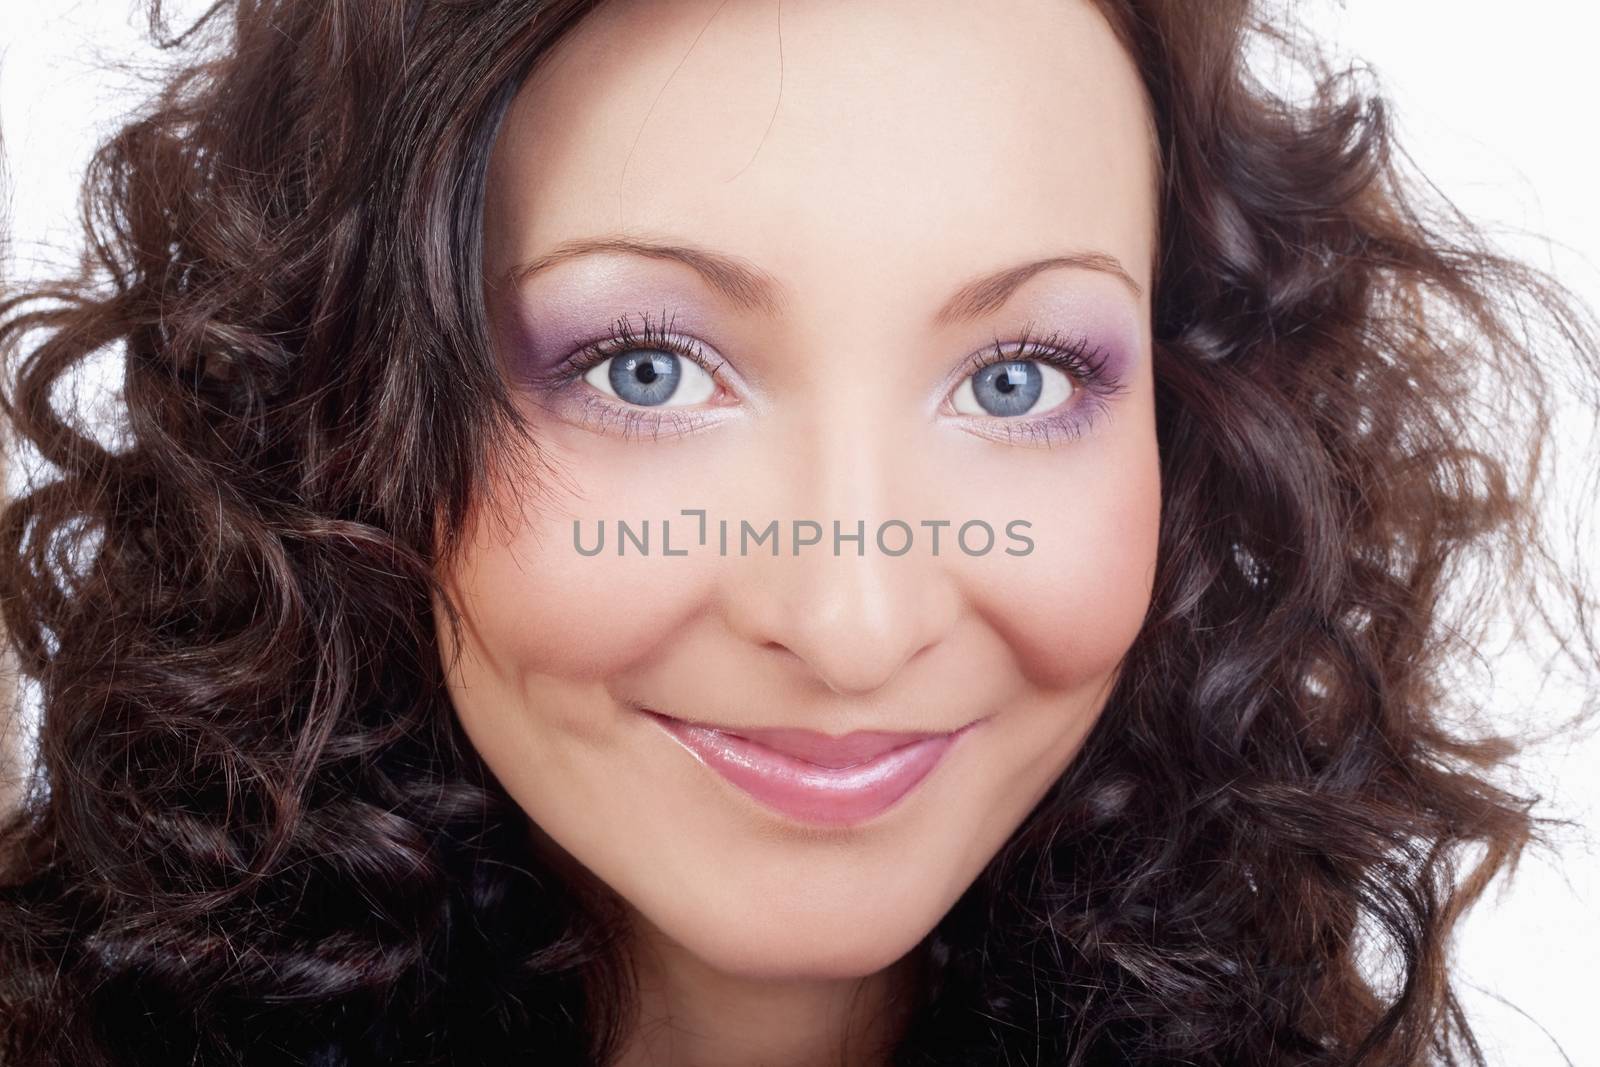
{"x": 1088, "y": 367}
{"x": 631, "y": 420}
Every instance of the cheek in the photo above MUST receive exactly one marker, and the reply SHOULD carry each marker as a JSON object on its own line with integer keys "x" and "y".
{"x": 538, "y": 605}
{"x": 1072, "y": 606}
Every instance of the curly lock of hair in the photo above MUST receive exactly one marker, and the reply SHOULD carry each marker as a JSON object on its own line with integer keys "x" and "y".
{"x": 254, "y": 832}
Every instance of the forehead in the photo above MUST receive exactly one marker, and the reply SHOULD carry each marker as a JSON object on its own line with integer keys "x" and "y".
{"x": 922, "y": 138}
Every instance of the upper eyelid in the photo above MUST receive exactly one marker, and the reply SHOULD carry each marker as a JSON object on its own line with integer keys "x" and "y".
{"x": 1099, "y": 374}
{"x": 688, "y": 348}
{"x": 596, "y": 347}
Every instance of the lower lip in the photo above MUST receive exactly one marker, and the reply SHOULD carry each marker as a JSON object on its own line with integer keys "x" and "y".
{"x": 824, "y": 796}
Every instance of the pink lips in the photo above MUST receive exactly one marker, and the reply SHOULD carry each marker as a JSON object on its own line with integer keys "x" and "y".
{"x": 811, "y": 776}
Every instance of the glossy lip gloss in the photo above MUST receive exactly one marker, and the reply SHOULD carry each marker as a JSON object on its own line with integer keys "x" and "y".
{"x": 811, "y": 777}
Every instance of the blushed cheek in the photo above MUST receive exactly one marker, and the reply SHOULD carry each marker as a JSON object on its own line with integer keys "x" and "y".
{"x": 542, "y": 607}
{"x": 1072, "y": 606}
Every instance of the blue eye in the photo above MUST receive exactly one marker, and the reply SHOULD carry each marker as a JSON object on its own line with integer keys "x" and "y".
{"x": 651, "y": 378}
{"x": 1012, "y": 387}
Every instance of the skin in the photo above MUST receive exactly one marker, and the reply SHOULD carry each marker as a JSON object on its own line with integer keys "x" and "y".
{"x": 896, "y": 151}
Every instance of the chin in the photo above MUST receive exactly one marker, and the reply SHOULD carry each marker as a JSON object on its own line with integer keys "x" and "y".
{"x": 797, "y": 947}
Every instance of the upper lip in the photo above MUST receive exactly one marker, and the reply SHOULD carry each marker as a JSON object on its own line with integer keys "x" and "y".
{"x": 816, "y": 747}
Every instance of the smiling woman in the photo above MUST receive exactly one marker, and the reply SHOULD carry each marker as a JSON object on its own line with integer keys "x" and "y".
{"x": 675, "y": 344}
{"x": 1061, "y": 460}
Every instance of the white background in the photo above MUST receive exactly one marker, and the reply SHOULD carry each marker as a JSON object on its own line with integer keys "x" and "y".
{"x": 1496, "y": 103}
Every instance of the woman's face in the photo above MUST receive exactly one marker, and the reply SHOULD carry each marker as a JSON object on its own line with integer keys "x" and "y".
{"x": 869, "y": 207}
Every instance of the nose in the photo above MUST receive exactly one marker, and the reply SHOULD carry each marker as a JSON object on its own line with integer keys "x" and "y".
{"x": 851, "y": 618}
{"x": 854, "y": 622}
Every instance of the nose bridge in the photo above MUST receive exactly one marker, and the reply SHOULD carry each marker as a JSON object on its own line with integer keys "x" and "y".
{"x": 853, "y": 592}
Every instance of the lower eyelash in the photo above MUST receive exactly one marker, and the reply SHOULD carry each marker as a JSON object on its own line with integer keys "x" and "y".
{"x": 633, "y": 421}
{"x": 1048, "y": 430}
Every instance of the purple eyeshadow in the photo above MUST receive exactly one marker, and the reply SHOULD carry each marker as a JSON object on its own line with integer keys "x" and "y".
{"x": 1110, "y": 325}
{"x": 547, "y": 321}
{"x": 549, "y": 318}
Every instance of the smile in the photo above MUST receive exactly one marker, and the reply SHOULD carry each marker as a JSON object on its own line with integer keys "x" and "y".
{"x": 812, "y": 777}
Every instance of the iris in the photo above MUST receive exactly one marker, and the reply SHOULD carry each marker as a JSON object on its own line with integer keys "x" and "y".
{"x": 645, "y": 377}
{"x": 1008, "y": 388}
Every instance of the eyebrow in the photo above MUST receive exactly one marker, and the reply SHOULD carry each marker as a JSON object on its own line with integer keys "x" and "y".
{"x": 753, "y": 289}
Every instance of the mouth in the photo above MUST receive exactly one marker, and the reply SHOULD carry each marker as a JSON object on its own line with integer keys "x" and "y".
{"x": 814, "y": 777}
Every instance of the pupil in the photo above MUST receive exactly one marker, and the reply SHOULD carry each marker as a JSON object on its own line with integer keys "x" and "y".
{"x": 1004, "y": 383}
{"x": 645, "y": 372}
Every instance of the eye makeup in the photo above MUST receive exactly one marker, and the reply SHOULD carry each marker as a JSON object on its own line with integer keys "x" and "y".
{"x": 579, "y": 303}
{"x": 1095, "y": 373}
{"x": 575, "y": 352}
{"x": 616, "y": 415}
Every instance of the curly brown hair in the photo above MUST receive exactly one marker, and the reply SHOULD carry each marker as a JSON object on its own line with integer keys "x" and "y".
{"x": 255, "y": 833}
